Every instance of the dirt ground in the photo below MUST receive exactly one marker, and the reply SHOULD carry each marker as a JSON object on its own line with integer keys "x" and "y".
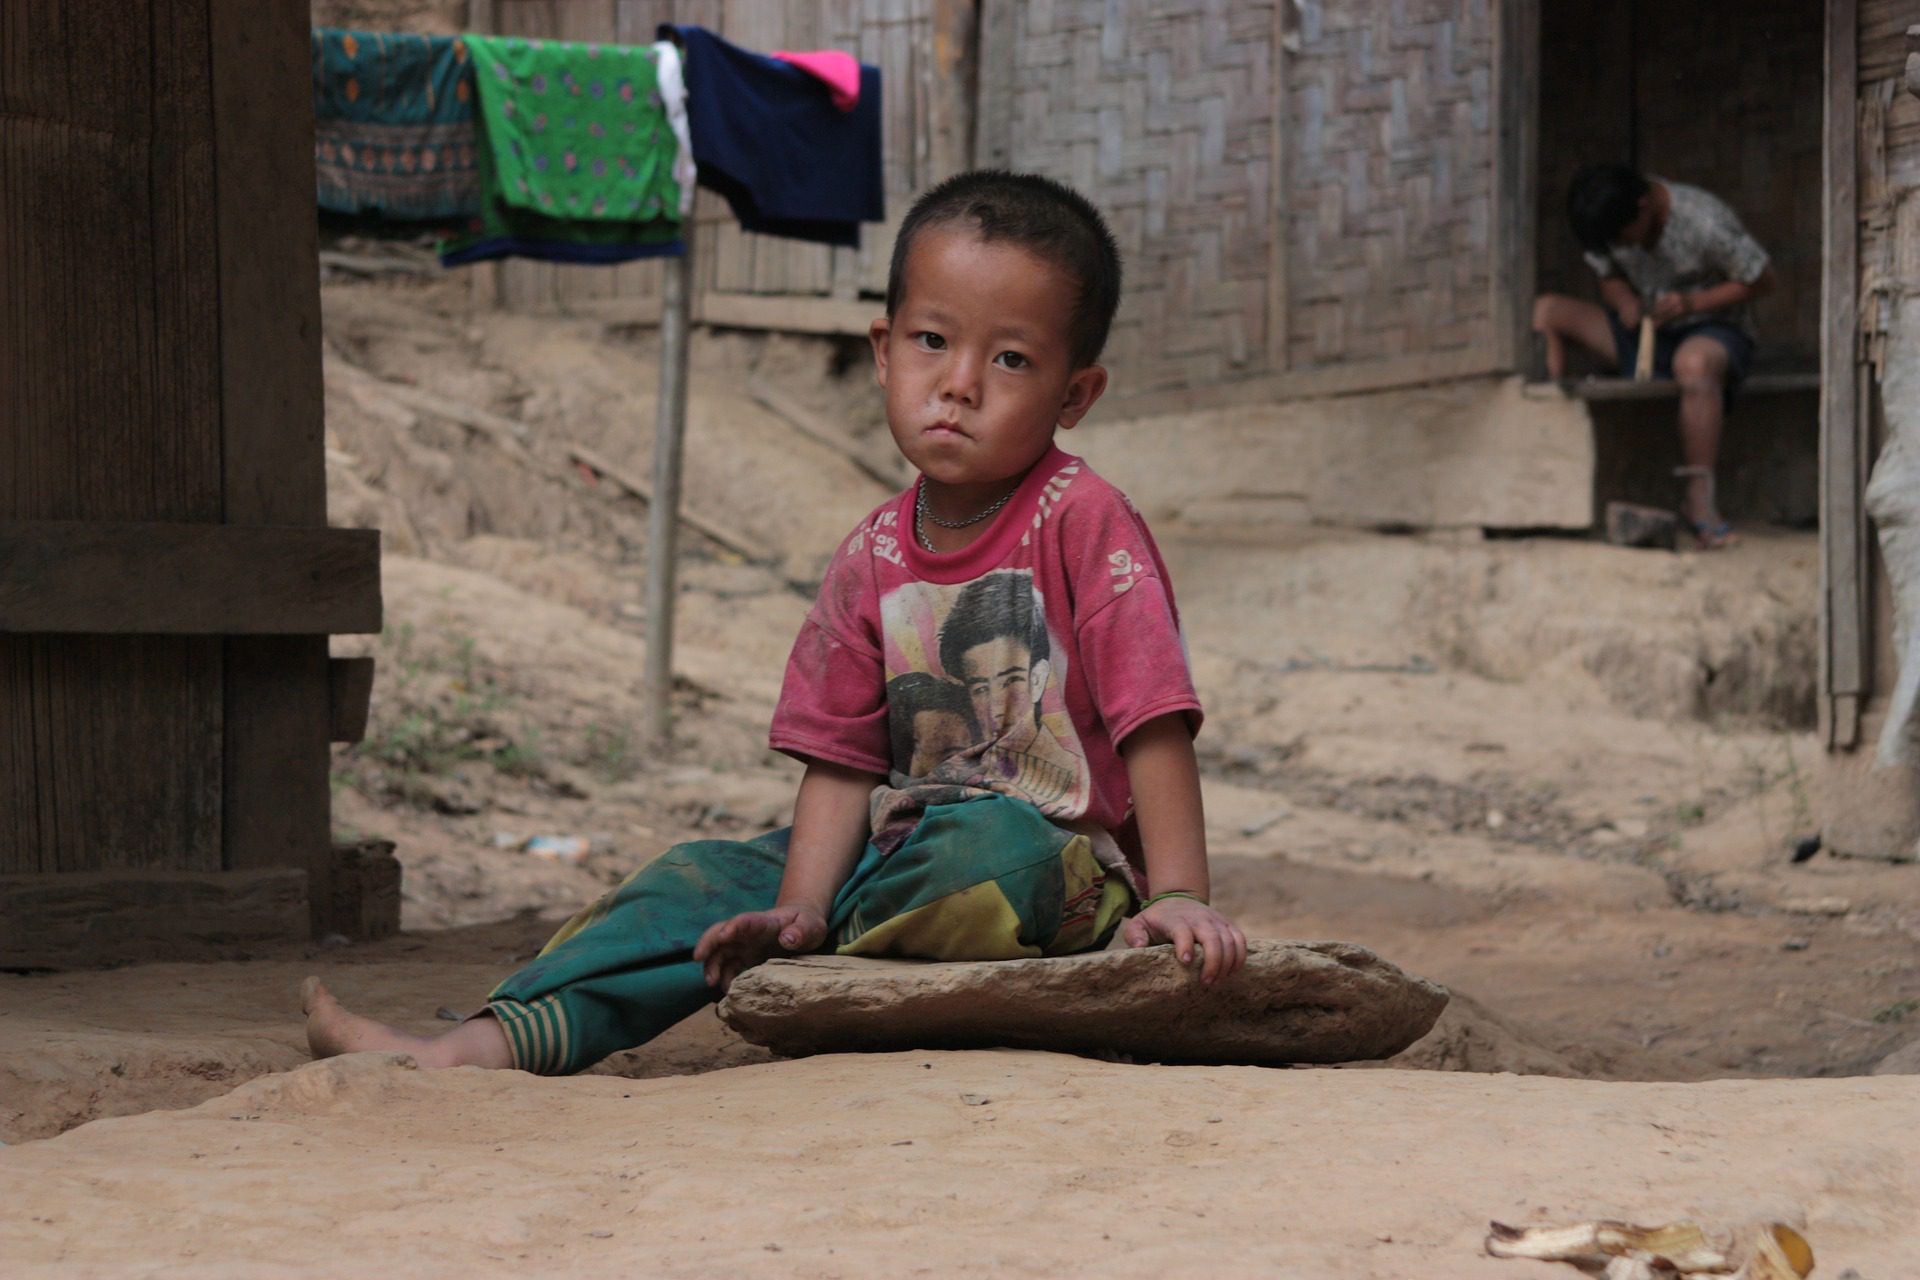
{"x": 1563, "y": 779}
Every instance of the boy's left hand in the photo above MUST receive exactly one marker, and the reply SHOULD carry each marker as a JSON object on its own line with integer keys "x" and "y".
{"x": 752, "y": 937}
{"x": 1187, "y": 924}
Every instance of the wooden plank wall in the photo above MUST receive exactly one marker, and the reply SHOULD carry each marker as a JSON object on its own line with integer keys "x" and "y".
{"x": 922, "y": 48}
{"x": 110, "y": 747}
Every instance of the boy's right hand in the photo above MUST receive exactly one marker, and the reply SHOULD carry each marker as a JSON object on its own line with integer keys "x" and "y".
{"x": 733, "y": 946}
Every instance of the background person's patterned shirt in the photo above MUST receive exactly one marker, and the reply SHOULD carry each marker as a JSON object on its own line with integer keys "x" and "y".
{"x": 1703, "y": 244}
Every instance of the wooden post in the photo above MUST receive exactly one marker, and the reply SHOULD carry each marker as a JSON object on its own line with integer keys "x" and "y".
{"x": 663, "y": 523}
{"x": 1844, "y": 665}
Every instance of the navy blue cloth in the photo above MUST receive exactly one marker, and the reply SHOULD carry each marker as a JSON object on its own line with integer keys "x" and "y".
{"x": 767, "y": 136}
{"x": 1667, "y": 340}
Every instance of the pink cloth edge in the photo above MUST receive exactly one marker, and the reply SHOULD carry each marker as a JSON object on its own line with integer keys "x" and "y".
{"x": 840, "y": 72}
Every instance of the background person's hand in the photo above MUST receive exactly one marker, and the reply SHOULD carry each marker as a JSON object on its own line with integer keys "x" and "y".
{"x": 1188, "y": 924}
{"x": 1669, "y": 307}
{"x": 1629, "y": 312}
{"x": 733, "y": 946}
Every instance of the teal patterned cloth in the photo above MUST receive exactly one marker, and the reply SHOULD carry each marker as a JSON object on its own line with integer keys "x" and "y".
{"x": 393, "y": 126}
{"x": 576, "y": 154}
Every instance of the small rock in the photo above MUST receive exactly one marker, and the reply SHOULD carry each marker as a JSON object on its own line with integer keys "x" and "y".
{"x": 975, "y": 1099}
{"x": 1260, "y": 824}
{"x": 600, "y": 1235}
{"x": 1495, "y": 819}
{"x": 1817, "y": 906}
{"x": 1795, "y": 944}
{"x": 1631, "y": 828}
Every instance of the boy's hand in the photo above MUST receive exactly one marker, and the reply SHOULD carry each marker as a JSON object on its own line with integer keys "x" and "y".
{"x": 731, "y": 946}
{"x": 1188, "y": 924}
{"x": 1628, "y": 309}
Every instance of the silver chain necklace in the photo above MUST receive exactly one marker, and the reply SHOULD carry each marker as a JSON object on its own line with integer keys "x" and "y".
{"x": 921, "y": 515}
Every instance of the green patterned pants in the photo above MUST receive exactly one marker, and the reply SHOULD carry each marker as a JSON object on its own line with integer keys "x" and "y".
{"x": 990, "y": 879}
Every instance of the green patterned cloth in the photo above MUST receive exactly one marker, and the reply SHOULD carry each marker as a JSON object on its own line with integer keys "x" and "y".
{"x": 990, "y": 879}
{"x": 576, "y": 154}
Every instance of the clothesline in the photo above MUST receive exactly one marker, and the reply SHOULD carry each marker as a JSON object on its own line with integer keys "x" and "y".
{"x": 588, "y": 153}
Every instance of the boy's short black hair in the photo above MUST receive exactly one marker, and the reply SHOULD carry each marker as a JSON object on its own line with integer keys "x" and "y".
{"x": 1046, "y": 218}
{"x": 1601, "y": 200}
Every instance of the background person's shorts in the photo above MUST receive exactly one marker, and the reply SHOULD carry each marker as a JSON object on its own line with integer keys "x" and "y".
{"x": 1667, "y": 340}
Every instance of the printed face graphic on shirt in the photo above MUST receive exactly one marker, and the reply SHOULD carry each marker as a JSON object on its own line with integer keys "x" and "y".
{"x": 975, "y": 696}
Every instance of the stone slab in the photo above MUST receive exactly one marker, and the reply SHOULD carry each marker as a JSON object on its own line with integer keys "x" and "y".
{"x": 1295, "y": 1002}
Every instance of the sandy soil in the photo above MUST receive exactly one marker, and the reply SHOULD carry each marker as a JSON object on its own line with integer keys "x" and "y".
{"x": 934, "y": 1164}
{"x": 1562, "y": 779}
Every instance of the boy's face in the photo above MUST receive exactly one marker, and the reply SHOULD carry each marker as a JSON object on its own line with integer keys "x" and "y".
{"x": 1638, "y": 232}
{"x": 976, "y": 360}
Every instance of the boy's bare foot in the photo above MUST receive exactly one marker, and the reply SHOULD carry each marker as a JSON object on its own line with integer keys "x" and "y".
{"x": 331, "y": 1029}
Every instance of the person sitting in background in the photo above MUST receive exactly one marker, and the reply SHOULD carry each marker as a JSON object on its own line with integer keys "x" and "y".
{"x": 1679, "y": 256}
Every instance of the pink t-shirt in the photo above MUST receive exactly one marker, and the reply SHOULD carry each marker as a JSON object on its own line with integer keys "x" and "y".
{"x": 1016, "y": 665}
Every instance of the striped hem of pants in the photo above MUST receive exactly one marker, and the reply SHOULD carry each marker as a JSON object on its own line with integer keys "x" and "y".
{"x": 537, "y": 1034}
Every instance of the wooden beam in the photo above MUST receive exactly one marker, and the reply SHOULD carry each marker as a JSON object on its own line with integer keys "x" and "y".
{"x": 781, "y": 314}
{"x": 1845, "y": 628}
{"x": 92, "y": 918}
{"x": 349, "y": 697}
{"x": 275, "y": 792}
{"x": 1516, "y": 175}
{"x": 141, "y": 578}
{"x": 1279, "y": 222}
{"x": 365, "y": 903}
{"x": 1760, "y": 384}
{"x": 1331, "y": 380}
{"x": 808, "y": 424}
{"x": 728, "y": 538}
{"x": 998, "y": 84}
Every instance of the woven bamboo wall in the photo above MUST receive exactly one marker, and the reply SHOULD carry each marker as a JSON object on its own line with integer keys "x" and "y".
{"x": 1305, "y": 191}
{"x": 1389, "y": 180}
{"x": 1162, "y": 115}
{"x": 1889, "y": 172}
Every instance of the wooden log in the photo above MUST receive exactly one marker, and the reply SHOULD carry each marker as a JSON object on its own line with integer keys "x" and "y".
{"x": 732, "y": 541}
{"x": 808, "y": 424}
{"x": 140, "y": 578}
{"x": 91, "y": 918}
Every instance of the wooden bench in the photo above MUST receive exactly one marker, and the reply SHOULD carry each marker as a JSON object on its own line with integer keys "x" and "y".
{"x": 1600, "y": 389}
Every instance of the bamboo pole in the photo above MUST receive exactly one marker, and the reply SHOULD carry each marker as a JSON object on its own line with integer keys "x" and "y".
{"x": 676, "y": 317}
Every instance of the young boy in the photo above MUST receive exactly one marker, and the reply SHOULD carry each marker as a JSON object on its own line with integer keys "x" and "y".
{"x": 1008, "y": 574}
{"x": 1679, "y": 255}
